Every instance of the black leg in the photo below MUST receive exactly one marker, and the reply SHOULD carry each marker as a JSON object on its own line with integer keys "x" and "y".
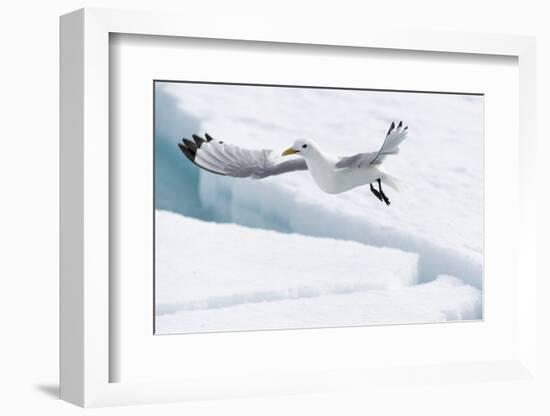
{"x": 375, "y": 192}
{"x": 382, "y": 194}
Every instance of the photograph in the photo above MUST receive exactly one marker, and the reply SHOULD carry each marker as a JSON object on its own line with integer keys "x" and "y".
{"x": 294, "y": 207}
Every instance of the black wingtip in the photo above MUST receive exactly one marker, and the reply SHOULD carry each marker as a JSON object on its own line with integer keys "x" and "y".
{"x": 187, "y": 152}
{"x": 400, "y": 124}
{"x": 191, "y": 146}
{"x": 391, "y": 127}
{"x": 198, "y": 140}
{"x": 208, "y": 137}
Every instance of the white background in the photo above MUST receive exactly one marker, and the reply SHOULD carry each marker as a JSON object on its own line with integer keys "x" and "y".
{"x": 29, "y": 216}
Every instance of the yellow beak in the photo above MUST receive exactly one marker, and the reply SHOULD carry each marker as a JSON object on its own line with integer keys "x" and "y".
{"x": 289, "y": 151}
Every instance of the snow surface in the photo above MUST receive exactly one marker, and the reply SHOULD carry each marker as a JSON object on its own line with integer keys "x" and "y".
{"x": 439, "y": 217}
{"x": 206, "y": 283}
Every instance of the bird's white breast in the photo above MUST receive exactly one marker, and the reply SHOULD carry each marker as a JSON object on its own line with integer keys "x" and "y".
{"x": 324, "y": 174}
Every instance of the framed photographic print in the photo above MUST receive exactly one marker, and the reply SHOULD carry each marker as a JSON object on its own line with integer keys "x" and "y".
{"x": 262, "y": 214}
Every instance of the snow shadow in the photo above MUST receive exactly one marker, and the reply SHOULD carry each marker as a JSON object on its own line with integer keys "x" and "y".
{"x": 287, "y": 213}
{"x": 216, "y": 302}
{"x": 176, "y": 182}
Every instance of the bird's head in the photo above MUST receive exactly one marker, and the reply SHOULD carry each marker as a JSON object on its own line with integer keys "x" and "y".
{"x": 301, "y": 147}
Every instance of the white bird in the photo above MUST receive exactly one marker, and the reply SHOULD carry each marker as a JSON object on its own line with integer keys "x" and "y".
{"x": 332, "y": 174}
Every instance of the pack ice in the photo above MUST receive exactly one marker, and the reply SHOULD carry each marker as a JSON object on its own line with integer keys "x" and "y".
{"x": 419, "y": 260}
{"x": 216, "y": 277}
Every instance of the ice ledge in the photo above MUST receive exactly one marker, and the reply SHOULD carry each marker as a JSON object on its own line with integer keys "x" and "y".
{"x": 204, "y": 265}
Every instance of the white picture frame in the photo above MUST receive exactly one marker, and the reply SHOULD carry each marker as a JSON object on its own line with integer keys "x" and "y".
{"x": 85, "y": 356}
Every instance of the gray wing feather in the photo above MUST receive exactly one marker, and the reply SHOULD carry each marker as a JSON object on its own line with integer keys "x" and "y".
{"x": 226, "y": 159}
{"x": 393, "y": 139}
{"x": 356, "y": 161}
{"x": 290, "y": 165}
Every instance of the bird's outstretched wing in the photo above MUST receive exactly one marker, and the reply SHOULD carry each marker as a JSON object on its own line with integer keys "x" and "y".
{"x": 393, "y": 139}
{"x": 226, "y": 159}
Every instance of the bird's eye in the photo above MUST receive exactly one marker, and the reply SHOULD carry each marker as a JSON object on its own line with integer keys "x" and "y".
{"x": 304, "y": 146}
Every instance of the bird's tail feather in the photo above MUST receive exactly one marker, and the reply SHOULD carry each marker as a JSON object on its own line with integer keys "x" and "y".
{"x": 394, "y": 183}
